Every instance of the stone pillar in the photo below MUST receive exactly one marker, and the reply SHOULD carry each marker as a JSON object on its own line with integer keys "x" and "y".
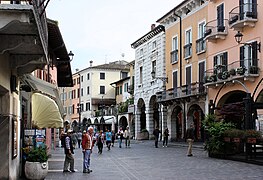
{"x": 137, "y": 123}
{"x": 163, "y": 118}
{"x": 149, "y": 122}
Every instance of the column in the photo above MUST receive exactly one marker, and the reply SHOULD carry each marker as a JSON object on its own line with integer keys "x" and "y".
{"x": 149, "y": 122}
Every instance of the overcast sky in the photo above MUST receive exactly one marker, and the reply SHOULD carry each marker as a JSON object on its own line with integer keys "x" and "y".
{"x": 103, "y": 30}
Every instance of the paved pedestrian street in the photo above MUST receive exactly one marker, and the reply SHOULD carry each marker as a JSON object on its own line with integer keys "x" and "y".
{"x": 145, "y": 162}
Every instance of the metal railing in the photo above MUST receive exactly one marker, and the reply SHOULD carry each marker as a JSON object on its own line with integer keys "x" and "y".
{"x": 212, "y": 28}
{"x": 193, "y": 89}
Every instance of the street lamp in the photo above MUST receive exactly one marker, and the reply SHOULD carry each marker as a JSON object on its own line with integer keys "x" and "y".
{"x": 164, "y": 79}
{"x": 239, "y": 38}
{"x": 71, "y": 55}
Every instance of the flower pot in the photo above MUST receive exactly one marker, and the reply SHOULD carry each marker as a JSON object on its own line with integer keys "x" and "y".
{"x": 36, "y": 170}
{"x": 252, "y": 140}
{"x": 227, "y": 139}
{"x": 236, "y": 140}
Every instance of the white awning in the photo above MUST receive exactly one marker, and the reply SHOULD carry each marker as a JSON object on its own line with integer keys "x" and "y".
{"x": 45, "y": 112}
{"x": 38, "y": 85}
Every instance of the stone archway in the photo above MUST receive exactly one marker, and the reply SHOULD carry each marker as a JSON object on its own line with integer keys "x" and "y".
{"x": 123, "y": 122}
{"x": 230, "y": 107}
{"x": 195, "y": 115}
{"x": 176, "y": 124}
{"x": 141, "y": 110}
{"x": 153, "y": 106}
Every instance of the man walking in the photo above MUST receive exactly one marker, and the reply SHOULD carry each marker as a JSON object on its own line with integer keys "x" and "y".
{"x": 156, "y": 133}
{"x": 68, "y": 148}
{"x": 127, "y": 136}
{"x": 87, "y": 146}
{"x": 190, "y": 139}
{"x": 165, "y": 137}
{"x": 108, "y": 139}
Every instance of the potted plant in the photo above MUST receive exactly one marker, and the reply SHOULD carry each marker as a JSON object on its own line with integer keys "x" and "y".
{"x": 232, "y": 72}
{"x": 234, "y": 134}
{"x": 241, "y": 70}
{"x": 36, "y": 166}
{"x": 225, "y": 75}
{"x": 253, "y": 70}
{"x": 252, "y": 135}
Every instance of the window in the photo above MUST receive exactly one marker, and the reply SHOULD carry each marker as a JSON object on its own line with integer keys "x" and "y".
{"x": 117, "y": 90}
{"x": 87, "y": 106}
{"x": 141, "y": 52}
{"x": 78, "y": 80}
{"x": 220, "y": 64}
{"x": 188, "y": 43}
{"x": 141, "y": 75}
{"x": 70, "y": 110}
{"x": 201, "y": 71}
{"x": 220, "y": 18}
{"x": 81, "y": 91}
{"x": 200, "y": 42}
{"x": 74, "y": 82}
{"x": 154, "y": 45}
{"x": 154, "y": 65}
{"x": 126, "y": 87}
{"x": 102, "y": 75}
{"x": 73, "y": 109}
{"x": 78, "y": 93}
{"x": 65, "y": 109}
{"x": 88, "y": 76}
{"x": 124, "y": 74}
{"x": 88, "y": 90}
{"x": 120, "y": 89}
{"x": 175, "y": 83}
{"x": 174, "y": 52}
{"x": 188, "y": 79}
{"x": 102, "y": 89}
{"x": 81, "y": 78}
{"x": 249, "y": 55}
{"x": 70, "y": 94}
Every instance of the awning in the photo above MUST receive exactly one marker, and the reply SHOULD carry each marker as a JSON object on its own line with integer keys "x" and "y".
{"x": 45, "y": 112}
{"x": 44, "y": 87}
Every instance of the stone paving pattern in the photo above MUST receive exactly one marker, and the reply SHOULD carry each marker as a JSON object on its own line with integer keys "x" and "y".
{"x": 145, "y": 162}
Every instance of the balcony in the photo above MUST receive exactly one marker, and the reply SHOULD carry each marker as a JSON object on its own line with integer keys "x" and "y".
{"x": 174, "y": 56}
{"x": 24, "y": 34}
{"x": 242, "y": 16}
{"x": 220, "y": 74}
{"x": 200, "y": 45}
{"x": 213, "y": 31}
{"x": 195, "y": 89}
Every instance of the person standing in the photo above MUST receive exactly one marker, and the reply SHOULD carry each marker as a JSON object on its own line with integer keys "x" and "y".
{"x": 100, "y": 142}
{"x": 127, "y": 136}
{"x": 74, "y": 138}
{"x": 68, "y": 148}
{"x": 79, "y": 135}
{"x": 190, "y": 139}
{"x": 120, "y": 136}
{"x": 87, "y": 149}
{"x": 165, "y": 136}
{"x": 156, "y": 133}
{"x": 108, "y": 139}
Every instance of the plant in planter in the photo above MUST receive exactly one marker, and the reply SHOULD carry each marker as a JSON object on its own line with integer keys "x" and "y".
{"x": 253, "y": 70}
{"x": 234, "y": 134}
{"x": 36, "y": 166}
{"x": 241, "y": 70}
{"x": 252, "y": 135}
{"x": 232, "y": 72}
{"x": 225, "y": 75}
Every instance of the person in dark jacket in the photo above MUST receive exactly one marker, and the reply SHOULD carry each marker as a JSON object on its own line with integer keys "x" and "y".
{"x": 156, "y": 133}
{"x": 190, "y": 139}
{"x": 68, "y": 149}
{"x": 165, "y": 137}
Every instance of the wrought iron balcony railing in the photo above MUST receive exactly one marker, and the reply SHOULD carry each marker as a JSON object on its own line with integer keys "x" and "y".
{"x": 214, "y": 31}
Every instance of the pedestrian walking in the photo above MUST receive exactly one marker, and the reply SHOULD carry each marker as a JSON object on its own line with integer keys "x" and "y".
{"x": 120, "y": 136}
{"x": 68, "y": 149}
{"x": 87, "y": 149}
{"x": 190, "y": 139}
{"x": 79, "y": 138}
{"x": 62, "y": 137}
{"x": 100, "y": 142}
{"x": 127, "y": 136}
{"x": 156, "y": 133}
{"x": 165, "y": 136}
{"x": 108, "y": 139}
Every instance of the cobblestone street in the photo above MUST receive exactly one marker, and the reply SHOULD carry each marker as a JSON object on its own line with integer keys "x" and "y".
{"x": 145, "y": 162}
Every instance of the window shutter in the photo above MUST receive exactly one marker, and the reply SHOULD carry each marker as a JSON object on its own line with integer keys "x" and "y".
{"x": 241, "y": 9}
{"x": 175, "y": 79}
{"x": 242, "y": 48}
{"x": 254, "y": 54}
{"x": 215, "y": 63}
{"x": 254, "y": 8}
{"x": 225, "y": 61}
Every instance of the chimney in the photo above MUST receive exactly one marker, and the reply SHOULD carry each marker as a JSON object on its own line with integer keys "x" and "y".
{"x": 152, "y": 26}
{"x": 90, "y": 62}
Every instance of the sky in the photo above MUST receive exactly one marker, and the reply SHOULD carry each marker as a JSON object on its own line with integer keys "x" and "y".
{"x": 103, "y": 30}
